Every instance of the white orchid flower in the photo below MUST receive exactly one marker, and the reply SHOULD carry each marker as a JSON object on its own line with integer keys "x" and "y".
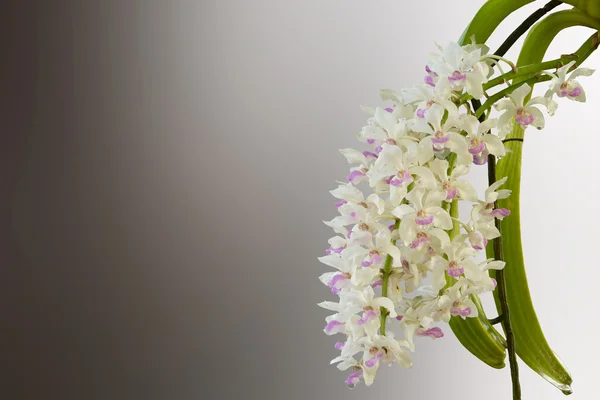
{"x": 515, "y": 110}
{"x": 568, "y": 87}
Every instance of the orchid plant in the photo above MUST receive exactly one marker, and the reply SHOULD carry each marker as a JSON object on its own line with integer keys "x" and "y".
{"x": 404, "y": 262}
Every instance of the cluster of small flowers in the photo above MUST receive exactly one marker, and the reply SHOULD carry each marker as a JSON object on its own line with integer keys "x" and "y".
{"x": 388, "y": 242}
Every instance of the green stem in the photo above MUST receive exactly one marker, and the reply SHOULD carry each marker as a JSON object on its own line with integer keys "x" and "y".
{"x": 500, "y": 279}
{"x": 530, "y": 70}
{"x": 387, "y": 270}
{"x": 504, "y": 317}
{"x": 527, "y": 70}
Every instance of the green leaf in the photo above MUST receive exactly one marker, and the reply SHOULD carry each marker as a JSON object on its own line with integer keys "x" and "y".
{"x": 487, "y": 19}
{"x": 590, "y": 7}
{"x": 530, "y": 343}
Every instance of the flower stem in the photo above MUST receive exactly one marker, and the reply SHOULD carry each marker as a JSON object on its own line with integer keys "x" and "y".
{"x": 530, "y": 69}
{"x": 499, "y": 255}
{"x": 501, "y": 281}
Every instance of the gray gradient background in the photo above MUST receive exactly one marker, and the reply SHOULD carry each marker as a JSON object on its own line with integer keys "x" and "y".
{"x": 165, "y": 167}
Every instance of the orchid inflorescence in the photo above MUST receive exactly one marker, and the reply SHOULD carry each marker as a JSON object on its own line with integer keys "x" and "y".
{"x": 403, "y": 261}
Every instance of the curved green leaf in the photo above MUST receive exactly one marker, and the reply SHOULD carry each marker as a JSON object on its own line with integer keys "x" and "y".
{"x": 487, "y": 19}
{"x": 590, "y": 7}
{"x": 530, "y": 343}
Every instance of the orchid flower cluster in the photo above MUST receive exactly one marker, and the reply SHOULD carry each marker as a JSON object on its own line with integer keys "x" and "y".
{"x": 402, "y": 260}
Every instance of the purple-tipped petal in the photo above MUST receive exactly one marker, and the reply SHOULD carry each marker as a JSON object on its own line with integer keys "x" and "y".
{"x": 370, "y": 140}
{"x": 419, "y": 241}
{"x": 456, "y": 271}
{"x": 368, "y": 155}
{"x": 434, "y": 333}
{"x": 451, "y": 193}
{"x": 477, "y": 148}
{"x": 355, "y": 176}
{"x": 429, "y": 80}
{"x": 500, "y": 213}
{"x": 421, "y": 113}
{"x": 340, "y": 203}
{"x": 354, "y": 379}
{"x": 576, "y": 92}
{"x": 367, "y": 316}
{"x": 337, "y": 278}
{"x": 388, "y": 109}
{"x": 480, "y": 159}
{"x": 335, "y": 327}
{"x": 524, "y": 118}
{"x": 378, "y": 283}
{"x": 424, "y": 220}
{"x": 339, "y": 345}
{"x": 406, "y": 178}
{"x": 440, "y": 139}
{"x": 371, "y": 362}
{"x": 457, "y": 77}
{"x": 463, "y": 313}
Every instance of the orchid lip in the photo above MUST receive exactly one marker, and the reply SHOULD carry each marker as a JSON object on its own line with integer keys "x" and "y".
{"x": 524, "y": 119}
{"x": 463, "y": 313}
{"x": 479, "y": 159}
{"x": 333, "y": 325}
{"x": 451, "y": 193}
{"x": 335, "y": 280}
{"x": 419, "y": 241}
{"x": 440, "y": 140}
{"x": 424, "y": 221}
{"x": 406, "y": 177}
{"x": 478, "y": 149}
{"x": 500, "y": 212}
{"x": 340, "y": 203}
{"x": 368, "y": 154}
{"x": 368, "y": 315}
{"x": 455, "y": 272}
{"x": 434, "y": 333}
{"x": 353, "y": 379}
{"x": 457, "y": 76}
{"x": 337, "y": 250}
{"x": 355, "y": 176}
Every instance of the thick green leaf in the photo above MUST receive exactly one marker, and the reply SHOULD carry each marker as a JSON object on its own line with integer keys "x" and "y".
{"x": 590, "y": 7}
{"x": 487, "y": 19}
{"x": 530, "y": 342}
